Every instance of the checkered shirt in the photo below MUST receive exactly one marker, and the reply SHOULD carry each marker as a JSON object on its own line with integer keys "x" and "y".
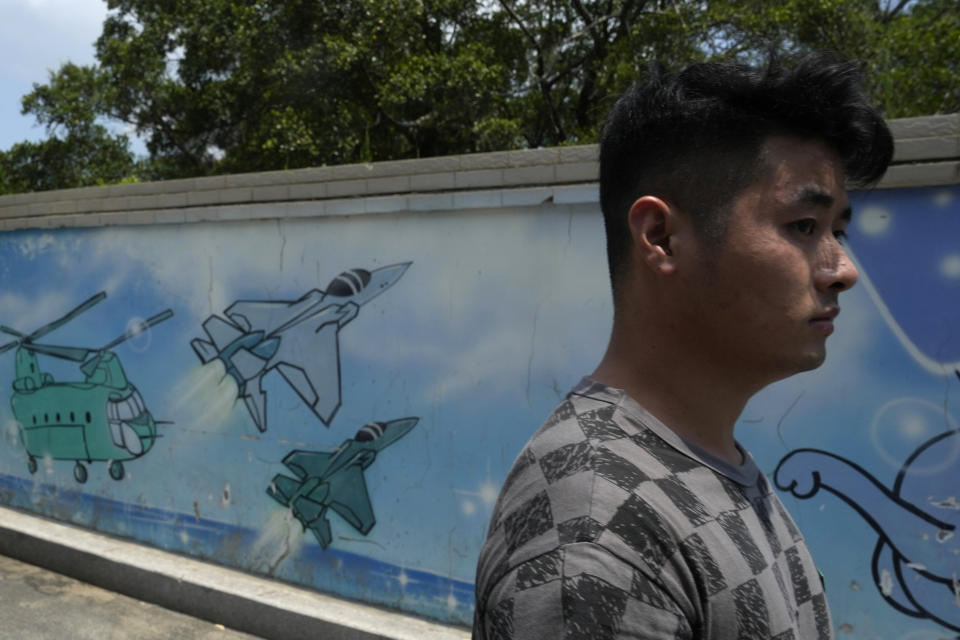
{"x": 611, "y": 526}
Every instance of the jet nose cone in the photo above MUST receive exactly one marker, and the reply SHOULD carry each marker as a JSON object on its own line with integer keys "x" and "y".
{"x": 396, "y": 429}
{"x": 391, "y": 273}
{"x": 401, "y": 425}
{"x": 360, "y": 286}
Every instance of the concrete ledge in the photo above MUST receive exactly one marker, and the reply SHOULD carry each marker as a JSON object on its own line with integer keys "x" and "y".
{"x": 926, "y": 154}
{"x": 931, "y": 175}
{"x": 232, "y": 598}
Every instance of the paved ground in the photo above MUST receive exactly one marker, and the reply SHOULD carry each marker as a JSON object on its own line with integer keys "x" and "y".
{"x": 38, "y": 604}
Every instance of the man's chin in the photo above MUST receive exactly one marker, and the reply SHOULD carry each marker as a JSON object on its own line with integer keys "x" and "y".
{"x": 811, "y": 360}
{"x": 806, "y": 362}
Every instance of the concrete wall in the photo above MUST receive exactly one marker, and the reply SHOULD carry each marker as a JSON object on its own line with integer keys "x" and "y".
{"x": 473, "y": 295}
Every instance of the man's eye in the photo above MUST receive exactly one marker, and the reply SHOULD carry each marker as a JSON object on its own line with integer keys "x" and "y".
{"x": 806, "y": 226}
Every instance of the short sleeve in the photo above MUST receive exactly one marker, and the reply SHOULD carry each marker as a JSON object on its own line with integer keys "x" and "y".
{"x": 579, "y": 591}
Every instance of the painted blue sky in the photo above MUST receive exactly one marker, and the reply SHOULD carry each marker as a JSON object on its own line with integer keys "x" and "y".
{"x": 909, "y": 245}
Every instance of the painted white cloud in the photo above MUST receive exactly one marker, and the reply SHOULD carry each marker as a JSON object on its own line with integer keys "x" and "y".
{"x": 911, "y": 419}
{"x": 913, "y": 426}
{"x": 950, "y": 266}
{"x": 31, "y": 246}
{"x": 873, "y": 221}
{"x": 943, "y": 198}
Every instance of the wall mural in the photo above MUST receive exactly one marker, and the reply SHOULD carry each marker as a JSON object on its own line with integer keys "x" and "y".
{"x": 334, "y": 480}
{"x": 490, "y": 318}
{"x": 915, "y": 563}
{"x": 102, "y": 418}
{"x": 299, "y": 339}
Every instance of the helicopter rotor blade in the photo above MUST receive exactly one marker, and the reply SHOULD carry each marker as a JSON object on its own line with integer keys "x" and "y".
{"x": 56, "y": 324}
{"x": 138, "y": 329}
{"x": 77, "y": 354}
{"x": 9, "y": 346}
{"x": 12, "y": 332}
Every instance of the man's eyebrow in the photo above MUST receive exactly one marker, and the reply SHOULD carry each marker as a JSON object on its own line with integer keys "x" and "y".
{"x": 815, "y": 196}
{"x": 820, "y": 198}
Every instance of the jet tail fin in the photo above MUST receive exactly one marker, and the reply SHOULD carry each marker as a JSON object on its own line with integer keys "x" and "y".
{"x": 256, "y": 401}
{"x": 204, "y": 350}
{"x": 321, "y": 530}
{"x": 221, "y": 332}
{"x": 311, "y": 515}
{"x": 282, "y": 489}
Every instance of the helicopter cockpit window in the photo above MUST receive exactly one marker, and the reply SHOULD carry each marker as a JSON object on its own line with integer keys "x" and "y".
{"x": 119, "y": 414}
{"x": 138, "y": 400}
{"x": 126, "y": 409}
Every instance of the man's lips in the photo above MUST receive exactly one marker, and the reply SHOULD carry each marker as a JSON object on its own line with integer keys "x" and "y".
{"x": 824, "y": 320}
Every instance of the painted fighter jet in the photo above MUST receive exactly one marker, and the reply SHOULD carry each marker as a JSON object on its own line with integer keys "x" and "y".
{"x": 335, "y": 480}
{"x": 298, "y": 339}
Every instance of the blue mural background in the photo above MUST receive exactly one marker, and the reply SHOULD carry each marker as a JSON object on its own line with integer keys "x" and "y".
{"x": 499, "y": 314}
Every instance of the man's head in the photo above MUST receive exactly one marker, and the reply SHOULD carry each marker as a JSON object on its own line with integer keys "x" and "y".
{"x": 697, "y": 139}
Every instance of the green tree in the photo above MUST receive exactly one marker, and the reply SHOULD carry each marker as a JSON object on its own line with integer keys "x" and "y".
{"x": 217, "y": 86}
{"x": 78, "y": 151}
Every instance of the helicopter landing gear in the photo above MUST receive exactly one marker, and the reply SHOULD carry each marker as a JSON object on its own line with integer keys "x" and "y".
{"x": 32, "y": 465}
{"x": 80, "y": 473}
{"x": 116, "y": 470}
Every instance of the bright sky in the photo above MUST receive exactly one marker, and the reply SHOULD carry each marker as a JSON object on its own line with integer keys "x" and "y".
{"x": 37, "y": 36}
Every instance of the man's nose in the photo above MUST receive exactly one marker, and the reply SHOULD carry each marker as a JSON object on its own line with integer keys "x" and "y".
{"x": 836, "y": 271}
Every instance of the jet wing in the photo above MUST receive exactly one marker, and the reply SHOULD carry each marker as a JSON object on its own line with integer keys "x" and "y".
{"x": 308, "y": 464}
{"x": 309, "y": 360}
{"x": 259, "y": 315}
{"x": 275, "y": 317}
{"x": 349, "y": 497}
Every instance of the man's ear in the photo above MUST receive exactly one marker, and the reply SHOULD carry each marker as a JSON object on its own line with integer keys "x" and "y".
{"x": 653, "y": 223}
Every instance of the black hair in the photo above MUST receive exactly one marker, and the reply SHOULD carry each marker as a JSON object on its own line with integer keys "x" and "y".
{"x": 695, "y": 138}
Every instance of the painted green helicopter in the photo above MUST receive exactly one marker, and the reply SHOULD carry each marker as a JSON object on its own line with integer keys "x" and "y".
{"x": 103, "y": 418}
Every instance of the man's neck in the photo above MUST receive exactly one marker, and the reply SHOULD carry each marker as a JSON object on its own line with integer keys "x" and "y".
{"x": 699, "y": 403}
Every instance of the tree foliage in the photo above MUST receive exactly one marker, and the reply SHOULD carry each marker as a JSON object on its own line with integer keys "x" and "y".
{"x": 217, "y": 86}
{"x": 79, "y": 151}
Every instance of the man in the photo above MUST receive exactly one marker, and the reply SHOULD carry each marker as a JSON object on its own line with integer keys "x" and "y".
{"x": 633, "y": 512}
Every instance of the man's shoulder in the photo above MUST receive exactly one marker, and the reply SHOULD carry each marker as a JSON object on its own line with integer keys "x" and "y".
{"x": 565, "y": 447}
{"x": 597, "y": 471}
{"x": 573, "y": 475}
